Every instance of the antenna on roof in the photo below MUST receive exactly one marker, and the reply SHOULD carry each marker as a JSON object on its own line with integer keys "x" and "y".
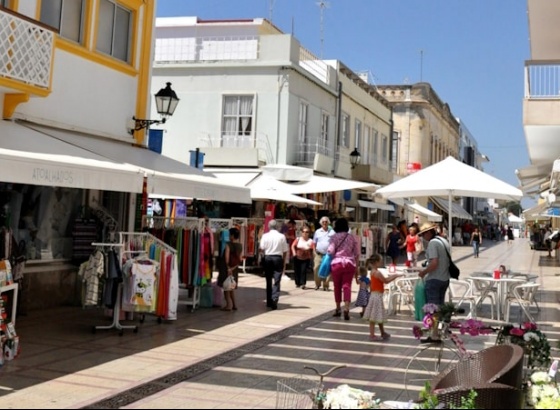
{"x": 421, "y": 63}
{"x": 270, "y": 9}
{"x": 322, "y": 5}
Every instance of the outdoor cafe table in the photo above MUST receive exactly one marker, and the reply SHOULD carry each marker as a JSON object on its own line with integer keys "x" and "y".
{"x": 502, "y": 285}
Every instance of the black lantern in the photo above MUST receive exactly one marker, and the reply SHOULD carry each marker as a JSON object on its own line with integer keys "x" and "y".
{"x": 166, "y": 102}
{"x": 355, "y": 157}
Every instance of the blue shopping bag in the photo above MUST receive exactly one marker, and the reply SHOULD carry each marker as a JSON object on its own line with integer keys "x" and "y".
{"x": 325, "y": 267}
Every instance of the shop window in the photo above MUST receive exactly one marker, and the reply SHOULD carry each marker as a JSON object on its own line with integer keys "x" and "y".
{"x": 40, "y": 218}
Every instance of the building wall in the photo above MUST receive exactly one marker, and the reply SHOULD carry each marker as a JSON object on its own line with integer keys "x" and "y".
{"x": 428, "y": 133}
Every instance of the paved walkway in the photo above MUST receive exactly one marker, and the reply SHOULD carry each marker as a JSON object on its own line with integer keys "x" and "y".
{"x": 215, "y": 359}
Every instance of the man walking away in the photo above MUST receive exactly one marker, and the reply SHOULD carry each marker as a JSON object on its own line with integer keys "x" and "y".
{"x": 274, "y": 247}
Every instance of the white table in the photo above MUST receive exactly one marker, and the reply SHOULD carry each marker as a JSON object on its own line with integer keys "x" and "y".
{"x": 502, "y": 287}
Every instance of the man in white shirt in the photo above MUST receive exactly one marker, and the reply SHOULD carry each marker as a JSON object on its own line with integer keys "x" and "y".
{"x": 275, "y": 250}
{"x": 321, "y": 240}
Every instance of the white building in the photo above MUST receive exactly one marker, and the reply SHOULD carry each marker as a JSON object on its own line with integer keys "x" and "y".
{"x": 253, "y": 96}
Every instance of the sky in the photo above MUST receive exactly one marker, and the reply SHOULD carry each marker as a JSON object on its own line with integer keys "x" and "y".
{"x": 471, "y": 52}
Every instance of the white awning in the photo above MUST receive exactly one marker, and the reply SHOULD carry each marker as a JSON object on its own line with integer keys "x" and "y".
{"x": 268, "y": 188}
{"x": 284, "y": 172}
{"x": 235, "y": 177}
{"x": 457, "y": 211}
{"x": 536, "y": 212}
{"x": 318, "y": 184}
{"x": 375, "y": 205}
{"x": 32, "y": 157}
{"x": 167, "y": 177}
{"x": 413, "y": 206}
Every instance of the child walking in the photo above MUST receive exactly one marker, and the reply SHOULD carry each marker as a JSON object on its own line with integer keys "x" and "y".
{"x": 375, "y": 311}
{"x": 363, "y": 293}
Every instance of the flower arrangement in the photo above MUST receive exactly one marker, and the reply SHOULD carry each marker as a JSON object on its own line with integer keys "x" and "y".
{"x": 531, "y": 339}
{"x": 433, "y": 314}
{"x": 346, "y": 397}
{"x": 543, "y": 391}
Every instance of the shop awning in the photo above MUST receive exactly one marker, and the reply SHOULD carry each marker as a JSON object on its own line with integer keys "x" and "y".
{"x": 166, "y": 177}
{"x": 534, "y": 212}
{"x": 32, "y": 157}
{"x": 375, "y": 205}
{"x": 457, "y": 211}
{"x": 414, "y": 207}
{"x": 318, "y": 184}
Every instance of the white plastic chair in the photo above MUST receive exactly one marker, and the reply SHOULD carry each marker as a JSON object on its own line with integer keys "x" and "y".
{"x": 524, "y": 296}
{"x": 484, "y": 290}
{"x": 460, "y": 292}
{"x": 403, "y": 292}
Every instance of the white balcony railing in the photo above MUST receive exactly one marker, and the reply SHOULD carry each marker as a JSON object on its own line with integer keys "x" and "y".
{"x": 201, "y": 49}
{"x": 260, "y": 142}
{"x": 542, "y": 80}
{"x": 311, "y": 146}
{"x": 26, "y": 51}
{"x": 228, "y": 48}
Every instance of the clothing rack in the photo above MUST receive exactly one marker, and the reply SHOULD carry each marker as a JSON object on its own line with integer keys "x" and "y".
{"x": 117, "y": 308}
{"x": 125, "y": 237}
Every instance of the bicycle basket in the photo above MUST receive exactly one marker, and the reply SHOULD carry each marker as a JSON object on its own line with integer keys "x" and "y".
{"x": 296, "y": 393}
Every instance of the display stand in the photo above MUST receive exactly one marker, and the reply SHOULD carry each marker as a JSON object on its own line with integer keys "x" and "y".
{"x": 116, "y": 317}
{"x": 117, "y": 308}
{"x": 12, "y": 287}
{"x": 193, "y": 301}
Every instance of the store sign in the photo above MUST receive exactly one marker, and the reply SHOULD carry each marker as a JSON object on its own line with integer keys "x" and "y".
{"x": 412, "y": 167}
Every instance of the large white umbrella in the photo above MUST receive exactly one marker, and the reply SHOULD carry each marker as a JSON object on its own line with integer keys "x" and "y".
{"x": 450, "y": 178}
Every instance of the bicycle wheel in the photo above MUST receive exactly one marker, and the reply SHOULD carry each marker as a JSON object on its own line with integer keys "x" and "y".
{"x": 425, "y": 365}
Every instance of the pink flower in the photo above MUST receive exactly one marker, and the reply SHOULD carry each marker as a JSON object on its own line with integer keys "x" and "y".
{"x": 516, "y": 332}
{"x": 417, "y": 332}
{"x": 529, "y": 326}
{"x": 428, "y": 321}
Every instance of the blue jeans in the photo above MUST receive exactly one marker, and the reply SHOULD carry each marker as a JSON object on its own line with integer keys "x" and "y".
{"x": 476, "y": 248}
{"x": 435, "y": 291}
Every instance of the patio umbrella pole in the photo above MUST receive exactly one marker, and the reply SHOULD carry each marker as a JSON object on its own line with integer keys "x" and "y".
{"x": 449, "y": 226}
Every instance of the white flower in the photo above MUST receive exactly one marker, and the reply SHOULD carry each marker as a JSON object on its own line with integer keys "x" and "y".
{"x": 530, "y": 335}
{"x": 346, "y": 397}
{"x": 540, "y": 378}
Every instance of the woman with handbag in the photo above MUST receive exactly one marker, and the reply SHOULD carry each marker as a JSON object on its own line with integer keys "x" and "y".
{"x": 228, "y": 276}
{"x": 345, "y": 252}
{"x": 302, "y": 249}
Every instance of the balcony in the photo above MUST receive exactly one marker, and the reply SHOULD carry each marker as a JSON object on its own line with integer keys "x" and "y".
{"x": 26, "y": 54}
{"x": 236, "y": 150}
{"x": 241, "y": 49}
{"x": 541, "y": 111}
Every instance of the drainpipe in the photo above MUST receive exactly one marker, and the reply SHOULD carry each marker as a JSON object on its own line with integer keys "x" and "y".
{"x": 338, "y": 125}
{"x": 281, "y": 83}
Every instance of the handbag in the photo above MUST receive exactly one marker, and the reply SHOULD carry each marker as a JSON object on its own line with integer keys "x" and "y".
{"x": 325, "y": 267}
{"x": 453, "y": 269}
{"x": 229, "y": 284}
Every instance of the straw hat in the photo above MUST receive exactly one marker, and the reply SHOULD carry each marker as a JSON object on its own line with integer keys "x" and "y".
{"x": 427, "y": 226}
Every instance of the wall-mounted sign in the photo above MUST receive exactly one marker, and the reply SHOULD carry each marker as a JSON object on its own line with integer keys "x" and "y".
{"x": 412, "y": 167}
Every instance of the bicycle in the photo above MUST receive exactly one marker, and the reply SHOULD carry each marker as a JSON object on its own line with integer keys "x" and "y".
{"x": 435, "y": 357}
{"x": 301, "y": 392}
